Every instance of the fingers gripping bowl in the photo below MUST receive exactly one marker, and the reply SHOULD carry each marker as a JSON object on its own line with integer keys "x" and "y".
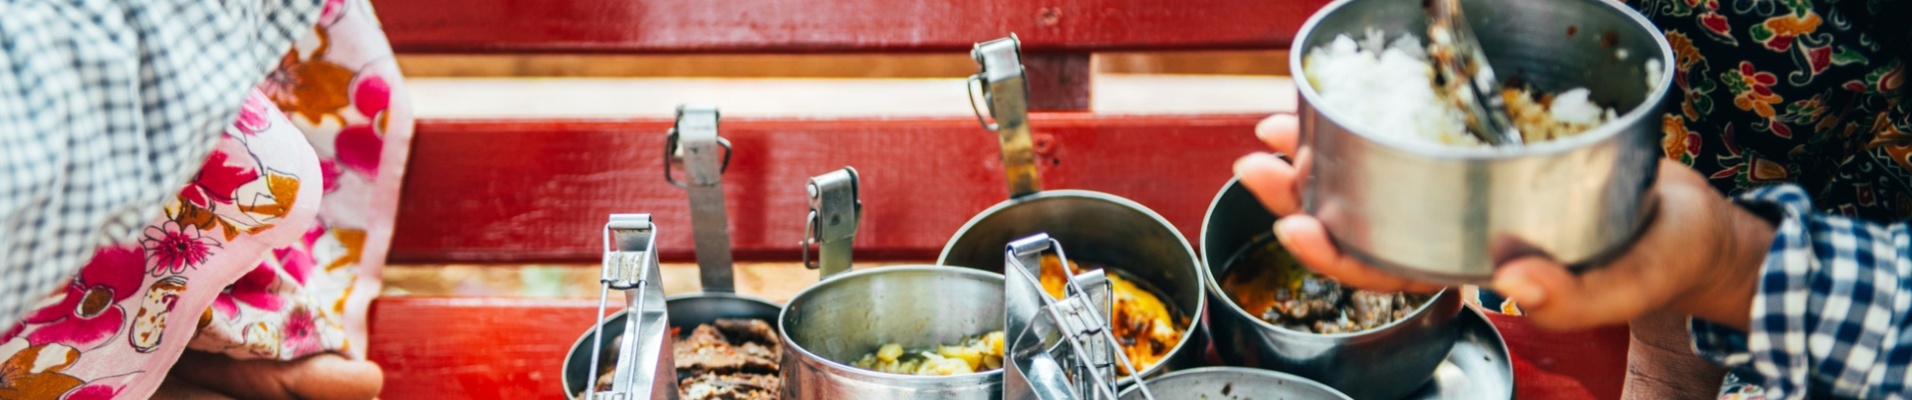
{"x": 1438, "y": 211}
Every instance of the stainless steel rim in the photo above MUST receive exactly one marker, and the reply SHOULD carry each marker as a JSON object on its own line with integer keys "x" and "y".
{"x": 1648, "y": 107}
{"x": 824, "y": 363}
{"x": 1195, "y": 316}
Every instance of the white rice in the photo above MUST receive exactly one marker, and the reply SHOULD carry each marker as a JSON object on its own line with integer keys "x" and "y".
{"x": 1384, "y": 91}
{"x": 1390, "y": 91}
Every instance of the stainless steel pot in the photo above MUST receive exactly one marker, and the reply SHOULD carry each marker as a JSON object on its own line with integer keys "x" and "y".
{"x": 1382, "y": 363}
{"x": 1449, "y": 213}
{"x": 832, "y": 323}
{"x": 1104, "y": 229}
{"x": 1234, "y": 383}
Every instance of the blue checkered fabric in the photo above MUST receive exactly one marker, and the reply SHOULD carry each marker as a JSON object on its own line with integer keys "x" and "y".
{"x": 1830, "y": 315}
{"x": 107, "y": 108}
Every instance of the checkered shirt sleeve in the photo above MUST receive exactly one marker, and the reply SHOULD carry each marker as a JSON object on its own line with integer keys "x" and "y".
{"x": 1830, "y": 315}
{"x": 107, "y": 107}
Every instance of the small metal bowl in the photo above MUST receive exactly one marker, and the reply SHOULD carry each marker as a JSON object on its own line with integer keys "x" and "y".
{"x": 832, "y": 323}
{"x": 1386, "y": 362}
{"x": 1448, "y": 213}
{"x": 1219, "y": 383}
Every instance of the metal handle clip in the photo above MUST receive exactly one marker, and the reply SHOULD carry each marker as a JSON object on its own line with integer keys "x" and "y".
{"x": 1058, "y": 349}
{"x": 835, "y": 211}
{"x": 644, "y": 366}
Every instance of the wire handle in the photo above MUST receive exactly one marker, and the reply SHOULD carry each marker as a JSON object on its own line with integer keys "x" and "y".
{"x": 644, "y": 357}
{"x": 1085, "y": 353}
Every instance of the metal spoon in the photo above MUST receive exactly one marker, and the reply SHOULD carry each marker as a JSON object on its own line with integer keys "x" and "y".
{"x": 1460, "y": 62}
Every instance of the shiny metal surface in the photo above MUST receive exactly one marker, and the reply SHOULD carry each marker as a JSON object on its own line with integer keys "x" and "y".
{"x": 693, "y": 142}
{"x": 1005, "y": 87}
{"x": 1382, "y": 363}
{"x": 1478, "y": 367}
{"x": 832, "y": 323}
{"x": 1057, "y": 349}
{"x": 1469, "y": 78}
{"x": 1448, "y": 213}
{"x": 642, "y": 359}
{"x": 1227, "y": 383}
{"x": 835, "y": 212}
{"x": 1098, "y": 228}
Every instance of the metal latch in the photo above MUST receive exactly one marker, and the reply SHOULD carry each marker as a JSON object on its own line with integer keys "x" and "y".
{"x": 835, "y": 210}
{"x": 1005, "y": 89}
{"x": 693, "y": 143}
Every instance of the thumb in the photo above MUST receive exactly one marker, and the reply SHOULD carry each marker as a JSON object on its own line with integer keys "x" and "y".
{"x": 1553, "y": 297}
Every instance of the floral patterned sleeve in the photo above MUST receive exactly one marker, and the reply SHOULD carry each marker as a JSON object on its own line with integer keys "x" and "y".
{"x": 106, "y": 107}
{"x": 270, "y": 249}
{"x": 1830, "y": 318}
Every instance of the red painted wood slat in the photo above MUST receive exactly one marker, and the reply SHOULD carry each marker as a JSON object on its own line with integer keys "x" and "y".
{"x": 538, "y": 190}
{"x": 503, "y": 348}
{"x": 809, "y": 26}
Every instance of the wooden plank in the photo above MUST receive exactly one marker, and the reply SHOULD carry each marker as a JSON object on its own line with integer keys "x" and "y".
{"x": 1058, "y": 81}
{"x": 834, "y": 26}
{"x": 504, "y": 348}
{"x": 538, "y": 190}
{"x": 562, "y": 98}
{"x": 474, "y": 347}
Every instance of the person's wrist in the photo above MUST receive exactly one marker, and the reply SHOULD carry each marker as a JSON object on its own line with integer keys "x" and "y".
{"x": 1728, "y": 297}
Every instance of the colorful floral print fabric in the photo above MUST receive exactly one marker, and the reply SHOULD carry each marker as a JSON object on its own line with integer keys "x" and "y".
{"x": 341, "y": 86}
{"x": 118, "y": 326}
{"x": 272, "y": 250}
{"x": 1802, "y": 91}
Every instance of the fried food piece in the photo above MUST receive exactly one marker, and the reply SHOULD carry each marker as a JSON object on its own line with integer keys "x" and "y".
{"x": 726, "y": 359}
{"x": 731, "y": 386}
{"x": 1267, "y": 282}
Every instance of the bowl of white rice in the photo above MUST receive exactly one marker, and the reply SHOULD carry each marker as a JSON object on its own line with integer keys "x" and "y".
{"x": 1401, "y": 184}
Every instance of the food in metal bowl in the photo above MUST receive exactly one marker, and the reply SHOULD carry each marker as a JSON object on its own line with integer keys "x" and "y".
{"x": 1390, "y": 88}
{"x": 726, "y": 359}
{"x": 1267, "y": 282}
{"x": 971, "y": 355}
{"x": 1141, "y": 323}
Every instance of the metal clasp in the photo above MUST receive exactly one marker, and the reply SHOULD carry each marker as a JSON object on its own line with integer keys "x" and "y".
{"x": 693, "y": 142}
{"x": 1005, "y": 88}
{"x": 835, "y": 211}
{"x": 645, "y": 369}
{"x": 1058, "y": 348}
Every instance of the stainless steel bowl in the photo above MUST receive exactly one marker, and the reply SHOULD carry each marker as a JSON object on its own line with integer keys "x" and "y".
{"x": 832, "y": 323}
{"x": 685, "y": 311}
{"x": 1233, "y": 383}
{"x": 1103, "y": 229}
{"x": 1382, "y": 363}
{"x": 1449, "y": 213}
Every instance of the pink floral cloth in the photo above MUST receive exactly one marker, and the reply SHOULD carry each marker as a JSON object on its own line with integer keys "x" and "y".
{"x": 272, "y": 251}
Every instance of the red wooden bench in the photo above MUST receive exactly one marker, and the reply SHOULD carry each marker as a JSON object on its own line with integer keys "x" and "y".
{"x": 517, "y": 190}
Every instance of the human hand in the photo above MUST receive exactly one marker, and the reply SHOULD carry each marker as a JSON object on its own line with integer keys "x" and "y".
{"x": 1700, "y": 255}
{"x": 320, "y": 376}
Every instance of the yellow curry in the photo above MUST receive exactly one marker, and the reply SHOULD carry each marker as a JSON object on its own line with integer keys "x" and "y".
{"x": 1142, "y": 324}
